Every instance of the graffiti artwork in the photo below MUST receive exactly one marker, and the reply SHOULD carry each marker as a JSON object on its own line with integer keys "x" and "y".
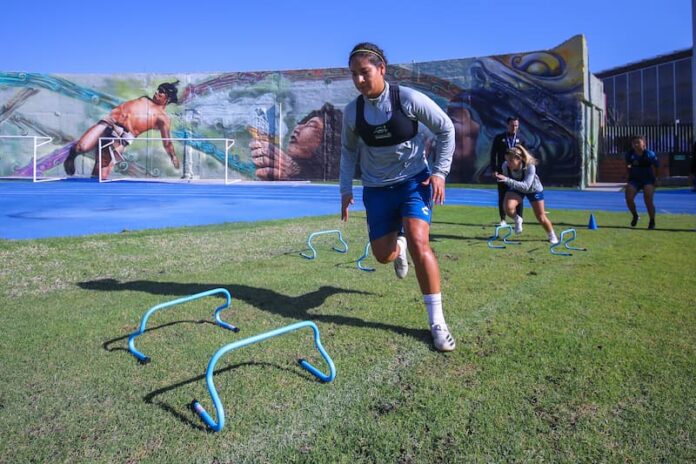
{"x": 287, "y": 124}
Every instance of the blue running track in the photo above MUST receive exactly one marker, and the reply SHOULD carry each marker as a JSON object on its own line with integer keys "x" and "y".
{"x": 82, "y": 207}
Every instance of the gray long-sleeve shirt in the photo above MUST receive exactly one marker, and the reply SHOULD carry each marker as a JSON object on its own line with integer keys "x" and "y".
{"x": 383, "y": 166}
{"x": 524, "y": 180}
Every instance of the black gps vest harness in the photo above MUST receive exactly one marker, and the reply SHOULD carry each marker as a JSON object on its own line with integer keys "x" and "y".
{"x": 398, "y": 129}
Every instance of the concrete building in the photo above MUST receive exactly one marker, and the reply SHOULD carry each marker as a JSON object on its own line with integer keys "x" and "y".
{"x": 655, "y": 98}
{"x": 656, "y": 90}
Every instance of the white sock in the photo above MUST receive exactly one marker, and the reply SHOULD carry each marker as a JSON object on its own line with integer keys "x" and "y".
{"x": 433, "y": 304}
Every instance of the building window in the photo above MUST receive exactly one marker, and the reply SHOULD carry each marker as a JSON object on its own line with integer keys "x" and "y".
{"x": 635, "y": 98}
{"x": 682, "y": 79}
{"x": 621, "y": 100}
{"x": 666, "y": 92}
{"x": 609, "y": 95}
{"x": 650, "y": 107}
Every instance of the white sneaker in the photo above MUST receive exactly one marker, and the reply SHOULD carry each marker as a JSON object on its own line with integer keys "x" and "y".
{"x": 518, "y": 224}
{"x": 442, "y": 339}
{"x": 401, "y": 261}
{"x": 502, "y": 223}
{"x": 553, "y": 239}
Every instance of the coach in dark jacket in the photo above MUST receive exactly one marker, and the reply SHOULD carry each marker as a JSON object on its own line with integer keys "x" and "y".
{"x": 501, "y": 144}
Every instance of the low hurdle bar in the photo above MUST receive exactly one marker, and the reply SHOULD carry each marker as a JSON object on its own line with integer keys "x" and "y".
{"x": 143, "y": 322}
{"x": 365, "y": 254}
{"x": 565, "y": 242}
{"x": 220, "y": 411}
{"x": 505, "y": 238}
{"x": 322, "y": 232}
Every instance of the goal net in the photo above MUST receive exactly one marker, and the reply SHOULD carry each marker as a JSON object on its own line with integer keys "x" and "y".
{"x": 24, "y": 157}
{"x": 147, "y": 158}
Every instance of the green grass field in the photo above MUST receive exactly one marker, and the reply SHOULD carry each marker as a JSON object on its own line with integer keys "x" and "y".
{"x": 588, "y": 358}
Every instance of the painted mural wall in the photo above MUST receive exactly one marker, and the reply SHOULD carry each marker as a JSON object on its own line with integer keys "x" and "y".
{"x": 285, "y": 125}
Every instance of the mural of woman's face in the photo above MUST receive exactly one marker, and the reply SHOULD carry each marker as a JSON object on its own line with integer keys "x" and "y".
{"x": 367, "y": 78}
{"x": 466, "y": 131}
{"x": 306, "y": 138}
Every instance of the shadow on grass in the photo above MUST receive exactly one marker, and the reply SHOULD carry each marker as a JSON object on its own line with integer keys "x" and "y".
{"x": 627, "y": 227}
{"x": 438, "y": 237}
{"x": 294, "y": 307}
{"x": 107, "y": 344}
{"x": 151, "y": 398}
{"x": 296, "y": 252}
{"x": 557, "y": 225}
{"x": 467, "y": 224}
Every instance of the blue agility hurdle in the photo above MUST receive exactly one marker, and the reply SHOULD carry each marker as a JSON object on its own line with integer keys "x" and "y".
{"x": 365, "y": 254}
{"x": 322, "y": 232}
{"x": 495, "y": 237}
{"x": 217, "y": 426}
{"x": 565, "y": 242}
{"x": 131, "y": 338}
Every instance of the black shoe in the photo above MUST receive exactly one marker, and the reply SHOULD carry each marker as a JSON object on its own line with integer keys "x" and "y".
{"x": 651, "y": 224}
{"x": 634, "y": 221}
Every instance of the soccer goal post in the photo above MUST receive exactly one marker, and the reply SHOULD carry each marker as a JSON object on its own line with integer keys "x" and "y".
{"x": 147, "y": 158}
{"x": 21, "y": 155}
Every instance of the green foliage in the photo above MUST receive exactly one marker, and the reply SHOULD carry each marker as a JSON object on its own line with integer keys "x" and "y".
{"x": 588, "y": 358}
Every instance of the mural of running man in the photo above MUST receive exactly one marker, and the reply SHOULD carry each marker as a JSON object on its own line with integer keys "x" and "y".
{"x": 126, "y": 122}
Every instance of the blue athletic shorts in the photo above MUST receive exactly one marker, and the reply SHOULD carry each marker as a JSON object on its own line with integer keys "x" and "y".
{"x": 532, "y": 197}
{"x": 387, "y": 206}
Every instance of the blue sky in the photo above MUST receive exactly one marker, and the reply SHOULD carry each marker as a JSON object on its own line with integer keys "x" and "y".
{"x": 153, "y": 36}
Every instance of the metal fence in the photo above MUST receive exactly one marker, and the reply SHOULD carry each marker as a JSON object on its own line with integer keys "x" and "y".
{"x": 672, "y": 143}
{"x": 675, "y": 138}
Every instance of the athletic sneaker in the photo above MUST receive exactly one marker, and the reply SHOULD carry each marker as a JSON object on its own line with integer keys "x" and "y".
{"x": 401, "y": 261}
{"x": 553, "y": 239}
{"x": 651, "y": 224}
{"x": 442, "y": 339}
{"x": 634, "y": 221}
{"x": 502, "y": 223}
{"x": 518, "y": 224}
